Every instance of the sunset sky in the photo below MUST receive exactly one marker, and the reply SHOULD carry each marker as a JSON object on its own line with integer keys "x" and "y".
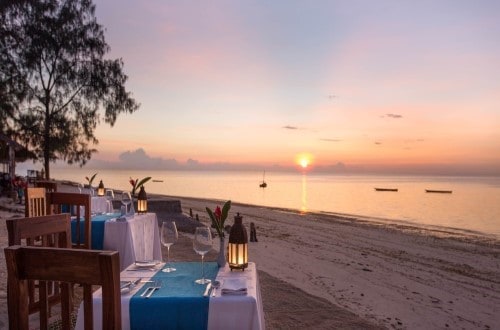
{"x": 412, "y": 85}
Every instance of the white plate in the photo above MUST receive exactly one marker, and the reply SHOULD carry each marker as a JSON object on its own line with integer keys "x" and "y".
{"x": 146, "y": 263}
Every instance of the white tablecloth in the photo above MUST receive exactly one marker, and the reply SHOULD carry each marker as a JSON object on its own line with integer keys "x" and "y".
{"x": 138, "y": 238}
{"x": 224, "y": 312}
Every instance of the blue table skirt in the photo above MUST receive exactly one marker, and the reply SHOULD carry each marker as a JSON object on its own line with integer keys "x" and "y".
{"x": 97, "y": 229}
{"x": 179, "y": 304}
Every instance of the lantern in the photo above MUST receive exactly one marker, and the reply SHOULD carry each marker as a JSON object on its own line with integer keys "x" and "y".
{"x": 237, "y": 249}
{"x": 142, "y": 201}
{"x": 100, "y": 189}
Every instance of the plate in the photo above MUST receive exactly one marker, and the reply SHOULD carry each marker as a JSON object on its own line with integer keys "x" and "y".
{"x": 145, "y": 263}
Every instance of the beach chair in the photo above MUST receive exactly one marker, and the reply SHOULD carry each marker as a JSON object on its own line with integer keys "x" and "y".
{"x": 79, "y": 206}
{"x": 49, "y": 231}
{"x": 69, "y": 267}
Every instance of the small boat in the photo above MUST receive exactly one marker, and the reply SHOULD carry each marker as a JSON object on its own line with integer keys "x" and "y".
{"x": 438, "y": 191}
{"x": 263, "y": 184}
{"x": 157, "y": 180}
{"x": 386, "y": 189}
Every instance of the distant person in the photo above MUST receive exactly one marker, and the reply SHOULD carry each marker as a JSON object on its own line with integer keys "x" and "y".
{"x": 19, "y": 185}
{"x": 253, "y": 233}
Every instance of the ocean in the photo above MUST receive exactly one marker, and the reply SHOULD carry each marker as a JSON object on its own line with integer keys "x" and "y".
{"x": 473, "y": 207}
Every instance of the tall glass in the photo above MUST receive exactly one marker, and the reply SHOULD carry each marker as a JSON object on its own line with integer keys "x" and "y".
{"x": 126, "y": 200}
{"x": 169, "y": 236}
{"x": 202, "y": 243}
{"x": 110, "y": 195}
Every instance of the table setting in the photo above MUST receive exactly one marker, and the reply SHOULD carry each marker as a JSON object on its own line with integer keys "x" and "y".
{"x": 157, "y": 294}
{"x": 152, "y": 299}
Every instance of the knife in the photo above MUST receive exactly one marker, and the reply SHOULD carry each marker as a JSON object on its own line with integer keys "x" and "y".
{"x": 209, "y": 285}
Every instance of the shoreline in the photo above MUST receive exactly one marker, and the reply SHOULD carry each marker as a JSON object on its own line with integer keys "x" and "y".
{"x": 392, "y": 275}
{"x": 407, "y": 226}
{"x": 385, "y": 275}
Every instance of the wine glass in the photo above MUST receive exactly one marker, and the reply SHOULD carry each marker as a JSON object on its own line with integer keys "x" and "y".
{"x": 202, "y": 243}
{"x": 80, "y": 188}
{"x": 110, "y": 195}
{"x": 126, "y": 200}
{"x": 169, "y": 236}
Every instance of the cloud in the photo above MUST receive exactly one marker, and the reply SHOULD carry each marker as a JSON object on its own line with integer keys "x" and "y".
{"x": 378, "y": 143}
{"x": 290, "y": 127}
{"x": 139, "y": 159}
{"x": 393, "y": 115}
{"x": 331, "y": 140}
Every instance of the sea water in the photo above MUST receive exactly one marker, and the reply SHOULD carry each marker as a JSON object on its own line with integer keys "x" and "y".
{"x": 472, "y": 207}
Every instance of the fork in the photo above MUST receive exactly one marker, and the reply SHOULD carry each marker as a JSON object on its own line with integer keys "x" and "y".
{"x": 156, "y": 285}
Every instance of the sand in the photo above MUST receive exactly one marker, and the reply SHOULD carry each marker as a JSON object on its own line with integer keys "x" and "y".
{"x": 325, "y": 271}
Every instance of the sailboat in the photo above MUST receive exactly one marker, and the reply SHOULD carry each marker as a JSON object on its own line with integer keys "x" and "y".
{"x": 263, "y": 184}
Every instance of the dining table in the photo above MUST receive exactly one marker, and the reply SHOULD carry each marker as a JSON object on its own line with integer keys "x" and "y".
{"x": 135, "y": 237}
{"x": 152, "y": 299}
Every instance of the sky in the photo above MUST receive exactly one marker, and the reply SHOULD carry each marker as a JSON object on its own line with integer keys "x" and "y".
{"x": 382, "y": 86}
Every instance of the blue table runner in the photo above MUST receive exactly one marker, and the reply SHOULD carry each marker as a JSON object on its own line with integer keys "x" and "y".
{"x": 179, "y": 304}
{"x": 97, "y": 229}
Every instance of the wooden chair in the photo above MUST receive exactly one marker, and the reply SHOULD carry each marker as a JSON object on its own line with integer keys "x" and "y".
{"x": 50, "y": 186}
{"x": 68, "y": 266}
{"x": 51, "y": 231}
{"x": 35, "y": 202}
{"x": 76, "y": 203}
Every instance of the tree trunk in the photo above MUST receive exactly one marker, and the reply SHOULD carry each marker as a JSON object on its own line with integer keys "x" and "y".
{"x": 46, "y": 136}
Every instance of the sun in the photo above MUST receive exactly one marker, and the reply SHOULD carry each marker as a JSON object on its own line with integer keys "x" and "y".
{"x": 304, "y": 160}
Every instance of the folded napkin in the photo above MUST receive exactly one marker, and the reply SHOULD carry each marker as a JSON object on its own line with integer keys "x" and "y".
{"x": 234, "y": 287}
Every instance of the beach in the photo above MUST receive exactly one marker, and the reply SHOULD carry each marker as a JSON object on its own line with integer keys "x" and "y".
{"x": 327, "y": 271}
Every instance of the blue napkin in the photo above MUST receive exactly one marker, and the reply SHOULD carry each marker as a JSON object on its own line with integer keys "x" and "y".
{"x": 97, "y": 229}
{"x": 179, "y": 304}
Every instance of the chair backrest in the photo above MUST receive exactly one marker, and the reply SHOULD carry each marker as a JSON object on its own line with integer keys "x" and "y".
{"x": 50, "y": 186}
{"x": 35, "y": 202}
{"x": 80, "y": 205}
{"x": 68, "y": 266}
{"x": 47, "y": 231}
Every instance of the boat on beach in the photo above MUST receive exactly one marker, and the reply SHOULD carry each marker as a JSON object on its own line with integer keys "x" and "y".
{"x": 386, "y": 189}
{"x": 438, "y": 191}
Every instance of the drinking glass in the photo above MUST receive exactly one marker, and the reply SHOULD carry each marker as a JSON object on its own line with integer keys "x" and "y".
{"x": 80, "y": 188}
{"x": 126, "y": 200}
{"x": 202, "y": 243}
{"x": 169, "y": 236}
{"x": 110, "y": 195}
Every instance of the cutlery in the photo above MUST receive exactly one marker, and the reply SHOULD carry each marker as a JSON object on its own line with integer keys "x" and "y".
{"x": 209, "y": 285}
{"x": 215, "y": 286}
{"x": 146, "y": 291}
{"x": 156, "y": 286}
{"x": 130, "y": 284}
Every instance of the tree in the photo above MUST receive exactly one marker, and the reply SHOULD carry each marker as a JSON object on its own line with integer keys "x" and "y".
{"x": 56, "y": 84}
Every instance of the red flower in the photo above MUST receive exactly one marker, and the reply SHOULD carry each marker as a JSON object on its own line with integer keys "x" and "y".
{"x": 132, "y": 182}
{"x": 218, "y": 212}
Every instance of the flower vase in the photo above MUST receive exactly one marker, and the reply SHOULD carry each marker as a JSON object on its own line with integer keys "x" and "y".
{"x": 221, "y": 259}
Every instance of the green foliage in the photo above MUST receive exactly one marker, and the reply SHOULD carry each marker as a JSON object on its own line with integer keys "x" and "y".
{"x": 91, "y": 179}
{"x": 56, "y": 85}
{"x": 136, "y": 184}
{"x": 219, "y": 217}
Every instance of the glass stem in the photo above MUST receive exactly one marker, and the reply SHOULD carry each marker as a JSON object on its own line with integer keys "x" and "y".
{"x": 168, "y": 256}
{"x": 203, "y": 267}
